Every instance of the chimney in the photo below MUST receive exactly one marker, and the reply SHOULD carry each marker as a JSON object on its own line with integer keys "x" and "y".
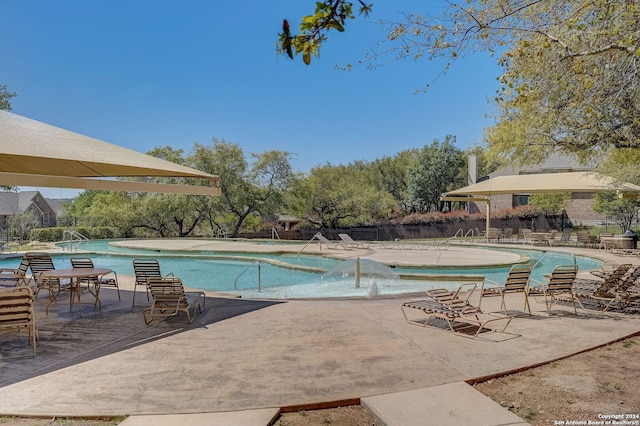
{"x": 472, "y": 176}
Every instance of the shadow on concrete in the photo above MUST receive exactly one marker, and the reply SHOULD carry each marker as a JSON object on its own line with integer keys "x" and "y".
{"x": 66, "y": 339}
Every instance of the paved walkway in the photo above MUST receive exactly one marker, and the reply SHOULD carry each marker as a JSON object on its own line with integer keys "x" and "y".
{"x": 243, "y": 360}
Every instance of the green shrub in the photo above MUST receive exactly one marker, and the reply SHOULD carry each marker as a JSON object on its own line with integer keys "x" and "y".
{"x": 57, "y": 234}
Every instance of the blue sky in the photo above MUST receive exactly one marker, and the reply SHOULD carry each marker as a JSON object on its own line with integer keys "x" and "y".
{"x": 143, "y": 74}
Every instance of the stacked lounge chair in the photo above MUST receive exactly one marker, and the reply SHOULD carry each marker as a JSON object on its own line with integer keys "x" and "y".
{"x": 455, "y": 309}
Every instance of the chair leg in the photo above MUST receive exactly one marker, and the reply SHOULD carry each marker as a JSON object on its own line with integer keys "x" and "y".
{"x": 526, "y": 303}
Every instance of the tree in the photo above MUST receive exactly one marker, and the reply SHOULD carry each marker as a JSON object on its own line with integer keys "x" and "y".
{"x": 622, "y": 164}
{"x": 339, "y": 196}
{"x": 550, "y": 203}
{"x": 20, "y": 224}
{"x": 5, "y": 97}
{"x": 437, "y": 170}
{"x": 330, "y": 14}
{"x": 389, "y": 174}
{"x": 118, "y": 210}
{"x": 571, "y": 79}
{"x": 172, "y": 214}
{"x": 622, "y": 211}
{"x": 247, "y": 189}
{"x": 74, "y": 211}
{"x": 572, "y": 86}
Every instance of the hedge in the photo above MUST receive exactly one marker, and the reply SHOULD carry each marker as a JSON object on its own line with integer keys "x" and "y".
{"x": 57, "y": 234}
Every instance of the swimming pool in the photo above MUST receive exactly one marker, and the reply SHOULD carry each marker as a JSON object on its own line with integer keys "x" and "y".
{"x": 286, "y": 275}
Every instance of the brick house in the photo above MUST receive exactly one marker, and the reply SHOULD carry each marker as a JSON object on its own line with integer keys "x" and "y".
{"x": 13, "y": 203}
{"x": 579, "y": 211}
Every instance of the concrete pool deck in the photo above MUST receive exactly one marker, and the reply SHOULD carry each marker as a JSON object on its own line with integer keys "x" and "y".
{"x": 241, "y": 360}
{"x": 452, "y": 256}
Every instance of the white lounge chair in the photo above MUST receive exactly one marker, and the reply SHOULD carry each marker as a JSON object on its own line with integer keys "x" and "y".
{"x": 351, "y": 243}
{"x": 330, "y": 244}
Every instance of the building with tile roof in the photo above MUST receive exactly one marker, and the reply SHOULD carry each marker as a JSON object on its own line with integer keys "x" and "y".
{"x": 32, "y": 202}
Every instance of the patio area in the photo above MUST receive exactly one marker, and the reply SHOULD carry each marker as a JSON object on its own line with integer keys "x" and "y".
{"x": 257, "y": 354}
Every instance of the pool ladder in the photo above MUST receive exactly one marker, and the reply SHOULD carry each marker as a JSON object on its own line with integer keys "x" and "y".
{"x": 256, "y": 263}
{"x": 465, "y": 236}
{"x": 71, "y": 237}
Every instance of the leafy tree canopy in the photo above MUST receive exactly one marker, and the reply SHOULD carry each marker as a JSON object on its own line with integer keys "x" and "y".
{"x": 5, "y": 97}
{"x": 339, "y": 196}
{"x": 571, "y": 77}
{"x": 436, "y": 171}
{"x": 550, "y": 203}
{"x": 622, "y": 211}
{"x": 329, "y": 15}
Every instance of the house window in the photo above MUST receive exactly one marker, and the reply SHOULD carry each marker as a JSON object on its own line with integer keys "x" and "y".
{"x": 520, "y": 200}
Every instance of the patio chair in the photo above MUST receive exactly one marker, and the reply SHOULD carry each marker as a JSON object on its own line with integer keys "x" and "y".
{"x": 565, "y": 237}
{"x": 351, "y": 243}
{"x": 507, "y": 235}
{"x": 462, "y": 317}
{"x": 97, "y": 282}
{"x": 517, "y": 282}
{"x": 144, "y": 269}
{"x": 551, "y": 237}
{"x": 558, "y": 288}
{"x": 330, "y": 244}
{"x": 14, "y": 277}
{"x": 526, "y": 236}
{"x": 493, "y": 235}
{"x": 609, "y": 291}
{"x": 38, "y": 263}
{"x": 169, "y": 298}
{"x": 9, "y": 248}
{"x": 440, "y": 244}
{"x": 628, "y": 290}
{"x": 628, "y": 293}
{"x": 583, "y": 237}
{"x": 618, "y": 270}
{"x": 16, "y": 312}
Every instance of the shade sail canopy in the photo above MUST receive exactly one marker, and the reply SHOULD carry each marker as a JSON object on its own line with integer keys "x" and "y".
{"x": 33, "y": 153}
{"x": 544, "y": 182}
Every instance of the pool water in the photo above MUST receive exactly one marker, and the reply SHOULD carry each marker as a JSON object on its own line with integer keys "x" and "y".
{"x": 290, "y": 276}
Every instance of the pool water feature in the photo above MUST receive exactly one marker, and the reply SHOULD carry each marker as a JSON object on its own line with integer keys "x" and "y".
{"x": 287, "y": 275}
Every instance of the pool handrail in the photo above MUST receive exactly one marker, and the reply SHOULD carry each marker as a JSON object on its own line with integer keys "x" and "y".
{"x": 235, "y": 283}
{"x": 305, "y": 246}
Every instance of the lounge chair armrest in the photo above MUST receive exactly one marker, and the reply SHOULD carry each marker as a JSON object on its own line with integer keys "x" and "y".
{"x": 494, "y": 283}
{"x": 537, "y": 283}
{"x": 538, "y": 288}
{"x": 494, "y": 289}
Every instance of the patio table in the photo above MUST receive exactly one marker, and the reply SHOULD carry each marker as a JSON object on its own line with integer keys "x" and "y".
{"x": 616, "y": 242}
{"x": 76, "y": 277}
{"x": 540, "y": 237}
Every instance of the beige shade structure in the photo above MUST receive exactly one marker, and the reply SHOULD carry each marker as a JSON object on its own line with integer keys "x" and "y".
{"x": 33, "y": 153}
{"x": 542, "y": 182}
{"x": 546, "y": 182}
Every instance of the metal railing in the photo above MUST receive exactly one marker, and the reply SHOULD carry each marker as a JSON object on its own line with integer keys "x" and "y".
{"x": 256, "y": 263}
{"x": 274, "y": 234}
{"x": 308, "y": 242}
{"x": 464, "y": 235}
{"x": 71, "y": 237}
